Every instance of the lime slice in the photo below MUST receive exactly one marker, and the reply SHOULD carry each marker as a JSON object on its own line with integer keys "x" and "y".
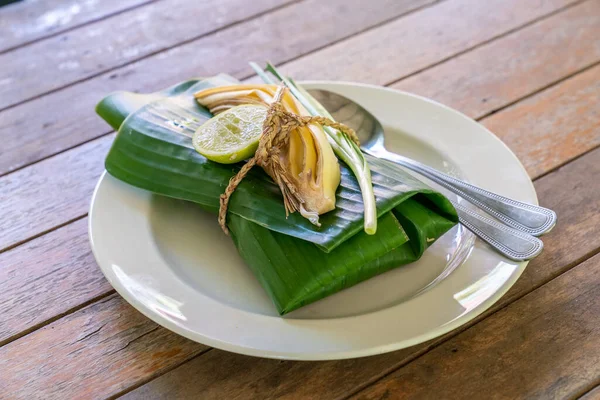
{"x": 231, "y": 136}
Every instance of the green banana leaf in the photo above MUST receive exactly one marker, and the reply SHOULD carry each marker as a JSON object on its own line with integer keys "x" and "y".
{"x": 295, "y": 272}
{"x": 153, "y": 151}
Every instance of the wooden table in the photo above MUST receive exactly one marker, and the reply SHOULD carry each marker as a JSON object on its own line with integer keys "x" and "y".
{"x": 529, "y": 70}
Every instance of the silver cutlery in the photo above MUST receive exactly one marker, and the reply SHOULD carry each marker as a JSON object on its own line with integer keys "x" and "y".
{"x": 522, "y": 221}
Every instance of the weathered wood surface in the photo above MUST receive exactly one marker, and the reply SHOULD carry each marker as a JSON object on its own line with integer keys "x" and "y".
{"x": 553, "y": 126}
{"x": 529, "y": 69}
{"x": 255, "y": 40}
{"x": 510, "y": 68}
{"x": 27, "y": 21}
{"x": 93, "y": 353}
{"x": 56, "y": 271}
{"x": 50, "y": 64}
{"x": 50, "y": 193}
{"x": 57, "y": 61}
{"x": 404, "y": 46}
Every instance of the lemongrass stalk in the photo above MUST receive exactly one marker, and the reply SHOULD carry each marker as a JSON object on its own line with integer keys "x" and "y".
{"x": 342, "y": 145}
{"x": 262, "y": 74}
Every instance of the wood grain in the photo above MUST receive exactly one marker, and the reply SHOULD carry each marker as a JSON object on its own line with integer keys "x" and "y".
{"x": 419, "y": 40}
{"x": 45, "y": 128}
{"x": 54, "y": 62}
{"x": 50, "y": 193}
{"x": 554, "y": 126}
{"x": 578, "y": 208}
{"x": 542, "y": 346}
{"x": 27, "y": 21}
{"x": 220, "y": 374}
{"x": 496, "y": 74}
{"x": 47, "y": 277}
{"x": 575, "y": 194}
{"x": 93, "y": 353}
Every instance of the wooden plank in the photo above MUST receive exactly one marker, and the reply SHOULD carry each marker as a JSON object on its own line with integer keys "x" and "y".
{"x": 574, "y": 194}
{"x": 562, "y": 117}
{"x": 50, "y": 193}
{"x": 27, "y": 21}
{"x": 45, "y": 128}
{"x": 578, "y": 207}
{"x": 93, "y": 353}
{"x": 419, "y": 40}
{"x": 494, "y": 75}
{"x": 542, "y": 346}
{"x": 219, "y": 374}
{"x": 50, "y": 64}
{"x": 551, "y": 128}
{"x": 56, "y": 271}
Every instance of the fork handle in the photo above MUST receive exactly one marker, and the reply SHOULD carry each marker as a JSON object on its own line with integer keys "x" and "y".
{"x": 525, "y": 217}
{"x": 512, "y": 243}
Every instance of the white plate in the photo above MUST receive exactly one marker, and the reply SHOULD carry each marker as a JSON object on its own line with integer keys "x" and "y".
{"x": 171, "y": 261}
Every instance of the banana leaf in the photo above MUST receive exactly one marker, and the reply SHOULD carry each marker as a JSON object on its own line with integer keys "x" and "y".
{"x": 296, "y": 262}
{"x": 153, "y": 151}
{"x": 295, "y": 273}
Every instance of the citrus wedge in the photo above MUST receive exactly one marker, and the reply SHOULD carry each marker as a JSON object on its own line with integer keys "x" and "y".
{"x": 231, "y": 136}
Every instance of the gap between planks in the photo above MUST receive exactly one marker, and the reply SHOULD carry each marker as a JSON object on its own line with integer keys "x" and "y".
{"x": 56, "y": 317}
{"x": 540, "y": 90}
{"x": 592, "y": 393}
{"x": 564, "y": 164}
{"x": 150, "y": 379}
{"x": 40, "y": 234}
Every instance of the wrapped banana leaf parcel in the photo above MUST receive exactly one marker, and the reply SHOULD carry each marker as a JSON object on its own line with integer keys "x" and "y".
{"x": 308, "y": 212}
